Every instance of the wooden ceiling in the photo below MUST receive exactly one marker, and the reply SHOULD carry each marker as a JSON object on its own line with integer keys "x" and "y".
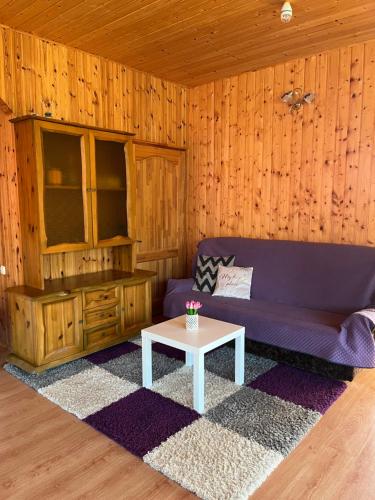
{"x": 194, "y": 41}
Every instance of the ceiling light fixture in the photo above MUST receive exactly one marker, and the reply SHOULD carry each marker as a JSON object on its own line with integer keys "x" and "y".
{"x": 286, "y": 12}
{"x": 296, "y": 98}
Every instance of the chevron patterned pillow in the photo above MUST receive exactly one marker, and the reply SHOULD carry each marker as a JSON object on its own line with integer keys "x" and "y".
{"x": 206, "y": 273}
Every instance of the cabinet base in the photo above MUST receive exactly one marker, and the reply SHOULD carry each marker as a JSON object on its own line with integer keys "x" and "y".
{"x": 30, "y": 368}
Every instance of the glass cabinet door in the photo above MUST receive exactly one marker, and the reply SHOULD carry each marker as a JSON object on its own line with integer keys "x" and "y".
{"x": 109, "y": 180}
{"x": 65, "y": 195}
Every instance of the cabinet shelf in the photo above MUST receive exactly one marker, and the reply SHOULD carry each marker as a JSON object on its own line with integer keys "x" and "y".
{"x": 79, "y": 188}
{"x": 63, "y": 186}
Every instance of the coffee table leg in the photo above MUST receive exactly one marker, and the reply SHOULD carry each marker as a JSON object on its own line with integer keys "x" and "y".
{"x": 240, "y": 359}
{"x": 146, "y": 361}
{"x": 198, "y": 382}
{"x": 189, "y": 358}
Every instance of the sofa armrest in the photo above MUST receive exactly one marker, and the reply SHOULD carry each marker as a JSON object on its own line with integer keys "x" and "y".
{"x": 357, "y": 334}
{"x": 181, "y": 285}
{"x": 358, "y": 322}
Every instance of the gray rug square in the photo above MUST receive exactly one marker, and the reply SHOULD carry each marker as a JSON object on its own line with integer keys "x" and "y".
{"x": 129, "y": 366}
{"x": 221, "y": 362}
{"x": 274, "y": 423}
{"x": 39, "y": 380}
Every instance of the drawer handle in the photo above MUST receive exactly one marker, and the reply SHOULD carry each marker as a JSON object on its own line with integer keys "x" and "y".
{"x": 106, "y": 315}
{"x": 103, "y": 297}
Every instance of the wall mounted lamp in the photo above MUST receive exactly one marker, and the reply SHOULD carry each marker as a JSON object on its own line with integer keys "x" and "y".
{"x": 296, "y": 98}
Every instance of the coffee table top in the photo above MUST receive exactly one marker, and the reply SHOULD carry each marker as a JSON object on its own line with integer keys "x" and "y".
{"x": 211, "y": 332}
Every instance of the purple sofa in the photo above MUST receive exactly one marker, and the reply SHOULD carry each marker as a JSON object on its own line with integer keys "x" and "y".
{"x": 303, "y": 297}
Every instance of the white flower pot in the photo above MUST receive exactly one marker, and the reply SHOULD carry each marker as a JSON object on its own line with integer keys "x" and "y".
{"x": 192, "y": 322}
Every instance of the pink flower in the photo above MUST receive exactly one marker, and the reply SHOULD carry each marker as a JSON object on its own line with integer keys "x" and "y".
{"x": 193, "y": 305}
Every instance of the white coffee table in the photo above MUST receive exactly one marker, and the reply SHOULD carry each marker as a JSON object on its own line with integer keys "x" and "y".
{"x": 211, "y": 334}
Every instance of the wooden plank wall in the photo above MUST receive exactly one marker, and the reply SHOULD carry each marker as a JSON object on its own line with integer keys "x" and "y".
{"x": 256, "y": 170}
{"x": 10, "y": 244}
{"x": 38, "y": 76}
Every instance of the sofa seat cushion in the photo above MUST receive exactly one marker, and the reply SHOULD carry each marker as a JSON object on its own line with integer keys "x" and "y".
{"x": 299, "y": 329}
{"x": 258, "y": 309}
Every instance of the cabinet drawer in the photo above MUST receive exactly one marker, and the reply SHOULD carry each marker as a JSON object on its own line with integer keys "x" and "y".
{"x": 101, "y": 316}
{"x": 102, "y": 336}
{"x": 101, "y": 297}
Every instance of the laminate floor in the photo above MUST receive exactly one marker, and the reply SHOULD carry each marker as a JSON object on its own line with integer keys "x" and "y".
{"x": 46, "y": 453}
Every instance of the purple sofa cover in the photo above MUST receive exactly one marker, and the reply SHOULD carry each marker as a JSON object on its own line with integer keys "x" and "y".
{"x": 303, "y": 296}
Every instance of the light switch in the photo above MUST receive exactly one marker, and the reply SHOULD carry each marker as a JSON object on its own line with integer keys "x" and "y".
{"x": 3, "y": 270}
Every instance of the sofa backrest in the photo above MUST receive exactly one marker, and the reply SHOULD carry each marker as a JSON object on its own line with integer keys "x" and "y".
{"x": 337, "y": 278}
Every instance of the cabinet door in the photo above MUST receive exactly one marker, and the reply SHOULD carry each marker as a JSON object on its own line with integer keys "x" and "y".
{"x": 111, "y": 200}
{"x": 59, "y": 323}
{"x": 160, "y": 218}
{"x": 136, "y": 307}
{"x": 62, "y": 162}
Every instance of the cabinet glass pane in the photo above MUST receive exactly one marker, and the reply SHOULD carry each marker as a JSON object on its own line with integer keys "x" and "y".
{"x": 111, "y": 189}
{"x": 63, "y": 198}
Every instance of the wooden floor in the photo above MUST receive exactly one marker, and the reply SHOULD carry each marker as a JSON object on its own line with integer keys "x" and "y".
{"x": 46, "y": 453}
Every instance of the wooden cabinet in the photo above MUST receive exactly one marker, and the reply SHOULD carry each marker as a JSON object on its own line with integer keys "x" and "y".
{"x": 76, "y": 316}
{"x": 77, "y": 196}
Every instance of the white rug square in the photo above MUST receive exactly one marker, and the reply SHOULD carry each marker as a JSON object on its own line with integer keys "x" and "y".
{"x": 214, "y": 462}
{"x": 179, "y": 387}
{"x": 88, "y": 392}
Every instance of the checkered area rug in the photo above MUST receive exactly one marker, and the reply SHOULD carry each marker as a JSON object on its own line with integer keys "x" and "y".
{"x": 228, "y": 452}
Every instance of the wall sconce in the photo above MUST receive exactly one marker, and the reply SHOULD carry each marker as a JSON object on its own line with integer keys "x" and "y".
{"x": 296, "y": 98}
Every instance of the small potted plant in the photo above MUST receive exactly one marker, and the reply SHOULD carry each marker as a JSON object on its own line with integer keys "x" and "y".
{"x": 192, "y": 318}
